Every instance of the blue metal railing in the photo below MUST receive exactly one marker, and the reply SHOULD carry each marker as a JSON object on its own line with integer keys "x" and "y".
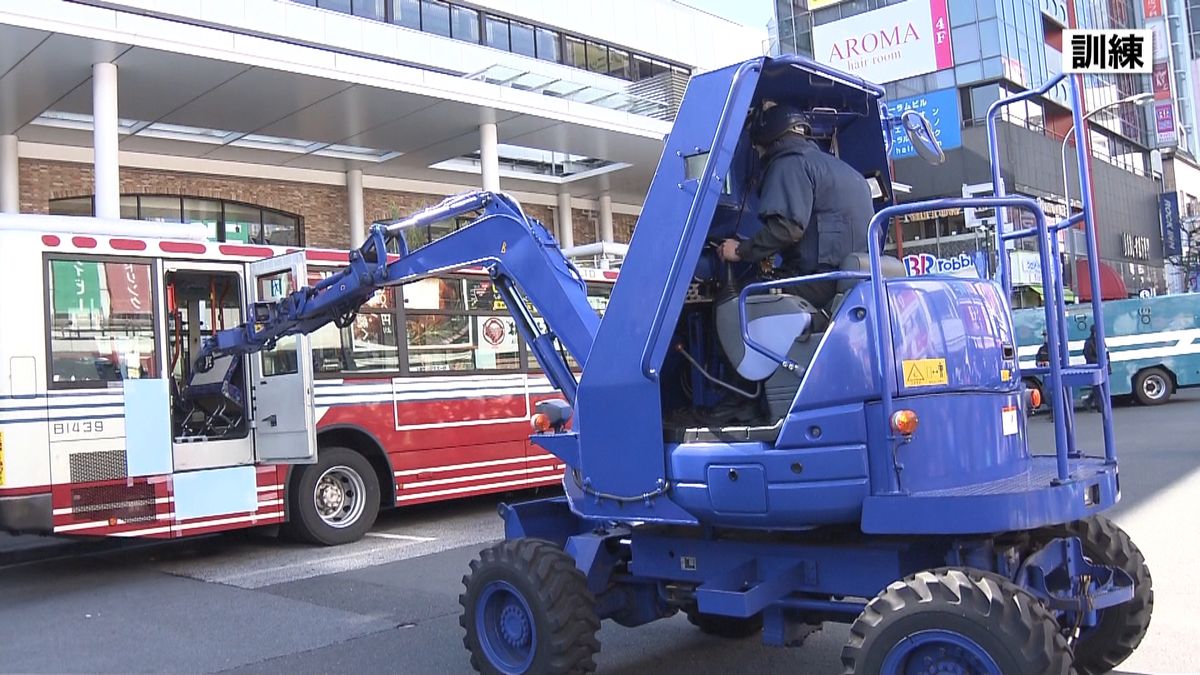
{"x": 881, "y": 319}
{"x": 1052, "y": 278}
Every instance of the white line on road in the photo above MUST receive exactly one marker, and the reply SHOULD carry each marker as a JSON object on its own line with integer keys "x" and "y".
{"x": 404, "y": 537}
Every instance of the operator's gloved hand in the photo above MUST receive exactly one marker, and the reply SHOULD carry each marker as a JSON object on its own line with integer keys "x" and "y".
{"x": 728, "y": 250}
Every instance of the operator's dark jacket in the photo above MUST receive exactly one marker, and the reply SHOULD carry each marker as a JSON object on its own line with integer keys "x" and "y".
{"x": 815, "y": 208}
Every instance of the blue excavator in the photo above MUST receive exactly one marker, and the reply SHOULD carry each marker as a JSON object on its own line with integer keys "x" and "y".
{"x": 763, "y": 465}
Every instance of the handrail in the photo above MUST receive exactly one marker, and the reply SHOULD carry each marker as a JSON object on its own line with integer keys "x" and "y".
{"x": 689, "y": 224}
{"x": 782, "y": 283}
{"x": 994, "y": 158}
{"x": 1089, "y": 229}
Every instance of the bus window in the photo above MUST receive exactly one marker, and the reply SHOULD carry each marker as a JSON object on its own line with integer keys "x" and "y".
{"x": 101, "y": 322}
{"x": 369, "y": 345}
{"x": 456, "y": 324}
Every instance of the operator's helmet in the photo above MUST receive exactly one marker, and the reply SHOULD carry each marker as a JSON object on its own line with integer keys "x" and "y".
{"x": 775, "y": 121}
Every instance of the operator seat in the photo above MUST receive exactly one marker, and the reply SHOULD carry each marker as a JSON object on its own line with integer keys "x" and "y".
{"x": 786, "y": 324}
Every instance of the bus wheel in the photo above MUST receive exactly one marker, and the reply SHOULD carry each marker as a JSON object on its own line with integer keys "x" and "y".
{"x": 1152, "y": 386}
{"x": 334, "y": 501}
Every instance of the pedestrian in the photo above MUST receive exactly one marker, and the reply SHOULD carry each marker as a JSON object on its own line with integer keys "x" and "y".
{"x": 1043, "y": 361}
{"x": 814, "y": 207}
{"x": 1090, "y": 355}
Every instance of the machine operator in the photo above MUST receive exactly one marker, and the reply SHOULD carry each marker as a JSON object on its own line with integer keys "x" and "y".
{"x": 815, "y": 208}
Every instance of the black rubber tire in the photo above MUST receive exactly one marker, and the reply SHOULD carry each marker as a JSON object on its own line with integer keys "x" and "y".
{"x": 1122, "y": 627}
{"x": 1149, "y": 377}
{"x": 729, "y": 627}
{"x": 305, "y": 523}
{"x": 1012, "y": 626}
{"x": 564, "y": 610}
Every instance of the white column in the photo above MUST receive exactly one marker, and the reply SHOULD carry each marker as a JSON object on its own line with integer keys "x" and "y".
{"x": 606, "y": 226}
{"x": 105, "y": 139}
{"x": 10, "y": 192}
{"x": 354, "y": 199}
{"x": 566, "y": 229}
{"x": 489, "y": 157}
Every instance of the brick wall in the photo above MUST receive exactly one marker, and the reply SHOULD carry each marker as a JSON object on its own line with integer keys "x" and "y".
{"x": 322, "y": 207}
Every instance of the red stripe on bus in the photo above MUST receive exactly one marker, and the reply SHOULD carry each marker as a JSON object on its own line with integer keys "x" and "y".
{"x": 181, "y": 247}
{"x": 50, "y": 240}
{"x": 84, "y": 242}
{"x": 333, "y": 256}
{"x": 255, "y": 251}
{"x": 127, "y": 244}
{"x": 610, "y": 275}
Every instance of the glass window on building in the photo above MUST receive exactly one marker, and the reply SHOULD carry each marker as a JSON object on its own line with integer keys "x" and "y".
{"x": 205, "y": 212}
{"x": 241, "y": 222}
{"x": 76, "y": 206}
{"x": 965, "y": 40}
{"x": 495, "y": 32}
{"x": 597, "y": 57}
{"x": 129, "y": 207}
{"x": 407, "y": 13}
{"x": 464, "y": 24}
{"x": 160, "y": 209}
{"x": 435, "y": 17}
{"x": 574, "y": 52}
{"x": 335, "y": 5}
{"x": 962, "y": 12}
{"x": 547, "y": 45}
{"x": 369, "y": 9}
{"x": 618, "y": 64}
{"x": 279, "y": 229}
{"x": 522, "y": 39}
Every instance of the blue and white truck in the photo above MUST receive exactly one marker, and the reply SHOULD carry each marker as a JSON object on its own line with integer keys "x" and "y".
{"x": 1154, "y": 343}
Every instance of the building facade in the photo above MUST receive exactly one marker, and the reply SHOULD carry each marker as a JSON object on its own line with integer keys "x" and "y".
{"x": 300, "y": 122}
{"x": 953, "y": 58}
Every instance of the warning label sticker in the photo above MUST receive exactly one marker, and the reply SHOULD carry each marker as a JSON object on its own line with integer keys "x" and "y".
{"x": 924, "y": 372}
{"x": 1008, "y": 419}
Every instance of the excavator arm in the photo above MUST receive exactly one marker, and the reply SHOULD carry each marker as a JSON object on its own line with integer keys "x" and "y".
{"x": 529, "y": 271}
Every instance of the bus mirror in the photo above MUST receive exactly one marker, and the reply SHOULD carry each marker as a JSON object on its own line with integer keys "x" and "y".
{"x": 922, "y": 136}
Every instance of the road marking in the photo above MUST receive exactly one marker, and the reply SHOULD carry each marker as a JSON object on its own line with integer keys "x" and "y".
{"x": 404, "y": 537}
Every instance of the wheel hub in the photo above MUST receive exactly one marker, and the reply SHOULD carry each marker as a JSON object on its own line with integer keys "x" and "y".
{"x": 514, "y": 626}
{"x": 339, "y": 496}
{"x": 939, "y": 652}
{"x": 1154, "y": 387}
{"x": 948, "y": 660}
{"x": 331, "y": 496}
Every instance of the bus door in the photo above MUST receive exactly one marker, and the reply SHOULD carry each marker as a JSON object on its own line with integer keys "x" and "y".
{"x": 282, "y": 378}
{"x": 210, "y": 411}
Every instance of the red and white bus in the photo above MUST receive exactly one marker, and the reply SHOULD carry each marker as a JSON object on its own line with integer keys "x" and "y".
{"x": 425, "y": 396}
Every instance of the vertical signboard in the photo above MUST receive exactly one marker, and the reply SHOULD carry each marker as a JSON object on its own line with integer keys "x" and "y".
{"x": 1172, "y": 228}
{"x": 1166, "y": 133}
{"x": 888, "y": 44}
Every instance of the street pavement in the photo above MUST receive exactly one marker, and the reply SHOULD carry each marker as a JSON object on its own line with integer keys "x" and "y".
{"x": 249, "y": 603}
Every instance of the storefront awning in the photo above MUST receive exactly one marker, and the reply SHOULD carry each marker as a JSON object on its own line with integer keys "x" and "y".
{"x": 1068, "y": 295}
{"x": 1112, "y": 286}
